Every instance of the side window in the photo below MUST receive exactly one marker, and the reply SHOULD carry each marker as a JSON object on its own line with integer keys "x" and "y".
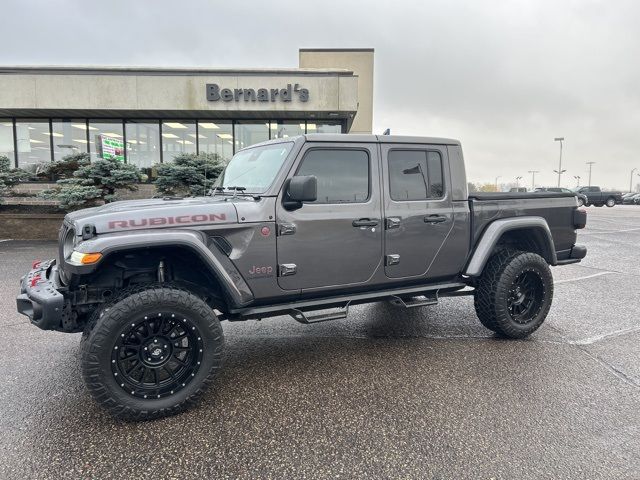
{"x": 343, "y": 175}
{"x": 415, "y": 175}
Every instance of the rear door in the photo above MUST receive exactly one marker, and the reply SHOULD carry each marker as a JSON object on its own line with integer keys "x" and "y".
{"x": 336, "y": 240}
{"x": 417, "y": 206}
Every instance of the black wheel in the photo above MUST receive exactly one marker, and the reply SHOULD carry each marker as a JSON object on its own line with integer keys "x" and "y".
{"x": 152, "y": 353}
{"x": 611, "y": 202}
{"x": 513, "y": 294}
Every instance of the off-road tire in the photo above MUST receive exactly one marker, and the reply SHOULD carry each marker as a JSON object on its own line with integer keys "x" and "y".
{"x": 496, "y": 285}
{"x": 99, "y": 366}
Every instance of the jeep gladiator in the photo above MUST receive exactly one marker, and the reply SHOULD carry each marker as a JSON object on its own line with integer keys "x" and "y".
{"x": 306, "y": 226}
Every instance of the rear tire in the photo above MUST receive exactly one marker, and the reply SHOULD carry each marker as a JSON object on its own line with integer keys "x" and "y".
{"x": 611, "y": 202}
{"x": 514, "y": 293}
{"x": 152, "y": 354}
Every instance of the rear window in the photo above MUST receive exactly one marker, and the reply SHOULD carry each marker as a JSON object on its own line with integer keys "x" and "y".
{"x": 415, "y": 175}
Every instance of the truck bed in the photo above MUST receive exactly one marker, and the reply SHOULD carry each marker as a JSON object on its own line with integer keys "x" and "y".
{"x": 555, "y": 207}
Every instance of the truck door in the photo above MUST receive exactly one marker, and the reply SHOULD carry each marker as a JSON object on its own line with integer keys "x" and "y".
{"x": 418, "y": 208}
{"x": 336, "y": 240}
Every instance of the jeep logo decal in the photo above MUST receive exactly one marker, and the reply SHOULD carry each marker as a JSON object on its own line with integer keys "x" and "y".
{"x": 157, "y": 221}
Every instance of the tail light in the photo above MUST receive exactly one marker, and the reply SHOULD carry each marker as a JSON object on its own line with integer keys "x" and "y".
{"x": 579, "y": 218}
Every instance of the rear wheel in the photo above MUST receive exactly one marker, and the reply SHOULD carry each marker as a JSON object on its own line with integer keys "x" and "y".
{"x": 152, "y": 353}
{"x": 611, "y": 202}
{"x": 514, "y": 293}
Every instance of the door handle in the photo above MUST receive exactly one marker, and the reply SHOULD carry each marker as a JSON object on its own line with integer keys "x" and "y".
{"x": 365, "y": 222}
{"x": 435, "y": 219}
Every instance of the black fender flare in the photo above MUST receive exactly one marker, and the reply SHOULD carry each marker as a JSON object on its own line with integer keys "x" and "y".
{"x": 492, "y": 234}
{"x": 234, "y": 286}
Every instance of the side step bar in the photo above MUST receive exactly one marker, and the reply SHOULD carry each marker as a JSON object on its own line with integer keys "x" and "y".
{"x": 415, "y": 302}
{"x": 303, "y": 317}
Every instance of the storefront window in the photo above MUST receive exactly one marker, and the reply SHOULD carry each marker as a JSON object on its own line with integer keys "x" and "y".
{"x": 112, "y": 129}
{"x": 216, "y": 137}
{"x": 177, "y": 137}
{"x": 69, "y": 136}
{"x": 250, "y": 133}
{"x": 143, "y": 143}
{"x": 324, "y": 127}
{"x": 6, "y": 139}
{"x": 285, "y": 129}
{"x": 34, "y": 144}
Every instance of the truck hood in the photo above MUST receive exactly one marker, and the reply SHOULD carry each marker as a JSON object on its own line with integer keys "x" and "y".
{"x": 157, "y": 213}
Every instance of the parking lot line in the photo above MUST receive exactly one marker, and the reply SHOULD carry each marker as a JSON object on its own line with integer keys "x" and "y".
{"x": 597, "y": 338}
{"x": 581, "y": 278}
{"x": 610, "y": 231}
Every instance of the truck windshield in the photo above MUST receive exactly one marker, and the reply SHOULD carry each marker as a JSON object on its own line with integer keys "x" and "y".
{"x": 254, "y": 168}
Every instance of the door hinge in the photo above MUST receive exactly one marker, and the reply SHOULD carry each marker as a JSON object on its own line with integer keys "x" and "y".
{"x": 287, "y": 269}
{"x": 393, "y": 259}
{"x": 286, "y": 229}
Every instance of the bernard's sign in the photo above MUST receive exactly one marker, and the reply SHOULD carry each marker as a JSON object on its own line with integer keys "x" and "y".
{"x": 215, "y": 94}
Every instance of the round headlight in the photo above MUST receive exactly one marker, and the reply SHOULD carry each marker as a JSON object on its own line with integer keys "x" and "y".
{"x": 68, "y": 243}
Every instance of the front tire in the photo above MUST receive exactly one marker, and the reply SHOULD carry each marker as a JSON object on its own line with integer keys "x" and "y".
{"x": 580, "y": 202}
{"x": 152, "y": 353}
{"x": 514, "y": 293}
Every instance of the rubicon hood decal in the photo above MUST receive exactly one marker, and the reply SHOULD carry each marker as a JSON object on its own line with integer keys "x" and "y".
{"x": 155, "y": 214}
{"x": 157, "y": 221}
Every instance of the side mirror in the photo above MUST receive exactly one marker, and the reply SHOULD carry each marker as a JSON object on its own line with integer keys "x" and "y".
{"x": 303, "y": 188}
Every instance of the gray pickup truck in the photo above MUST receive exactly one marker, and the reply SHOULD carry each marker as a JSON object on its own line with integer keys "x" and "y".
{"x": 598, "y": 197}
{"x": 305, "y": 226}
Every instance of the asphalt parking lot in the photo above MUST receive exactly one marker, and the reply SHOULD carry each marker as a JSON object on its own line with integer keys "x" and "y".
{"x": 385, "y": 393}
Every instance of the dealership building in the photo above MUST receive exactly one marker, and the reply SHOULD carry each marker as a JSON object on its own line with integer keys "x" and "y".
{"x": 146, "y": 116}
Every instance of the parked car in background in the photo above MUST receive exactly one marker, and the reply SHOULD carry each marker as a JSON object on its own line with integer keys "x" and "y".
{"x": 518, "y": 189}
{"x": 595, "y": 196}
{"x": 582, "y": 198}
{"x": 630, "y": 198}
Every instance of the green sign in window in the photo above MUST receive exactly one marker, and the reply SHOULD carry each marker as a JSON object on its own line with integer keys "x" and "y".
{"x": 111, "y": 148}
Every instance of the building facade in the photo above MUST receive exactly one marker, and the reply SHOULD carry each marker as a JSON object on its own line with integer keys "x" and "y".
{"x": 145, "y": 116}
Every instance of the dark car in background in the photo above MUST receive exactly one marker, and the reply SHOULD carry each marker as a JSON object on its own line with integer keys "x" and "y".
{"x": 582, "y": 198}
{"x": 631, "y": 199}
{"x": 598, "y": 197}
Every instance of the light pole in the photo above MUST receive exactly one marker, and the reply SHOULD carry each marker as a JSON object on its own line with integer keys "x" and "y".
{"x": 499, "y": 176}
{"x": 590, "y": 165}
{"x": 560, "y": 171}
{"x": 518, "y": 182}
{"x": 577, "y": 177}
{"x": 533, "y": 178}
{"x": 631, "y": 181}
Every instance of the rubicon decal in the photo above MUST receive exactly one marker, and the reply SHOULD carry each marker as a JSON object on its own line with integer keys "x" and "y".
{"x": 158, "y": 221}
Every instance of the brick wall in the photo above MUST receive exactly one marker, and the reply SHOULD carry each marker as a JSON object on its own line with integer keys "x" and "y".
{"x": 29, "y": 226}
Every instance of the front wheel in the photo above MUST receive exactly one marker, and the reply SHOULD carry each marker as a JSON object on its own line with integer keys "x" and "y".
{"x": 514, "y": 293}
{"x": 580, "y": 202}
{"x": 152, "y": 354}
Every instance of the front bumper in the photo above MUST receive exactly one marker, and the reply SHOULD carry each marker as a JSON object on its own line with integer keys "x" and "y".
{"x": 39, "y": 297}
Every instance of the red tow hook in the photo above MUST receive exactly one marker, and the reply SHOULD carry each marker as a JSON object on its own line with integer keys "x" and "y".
{"x": 35, "y": 280}
{"x": 36, "y": 264}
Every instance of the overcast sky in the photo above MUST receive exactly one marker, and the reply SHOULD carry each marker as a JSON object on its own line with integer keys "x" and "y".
{"x": 505, "y": 77}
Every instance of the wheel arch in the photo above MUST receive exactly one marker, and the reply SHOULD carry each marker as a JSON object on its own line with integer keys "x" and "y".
{"x": 183, "y": 245}
{"x": 528, "y": 233}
